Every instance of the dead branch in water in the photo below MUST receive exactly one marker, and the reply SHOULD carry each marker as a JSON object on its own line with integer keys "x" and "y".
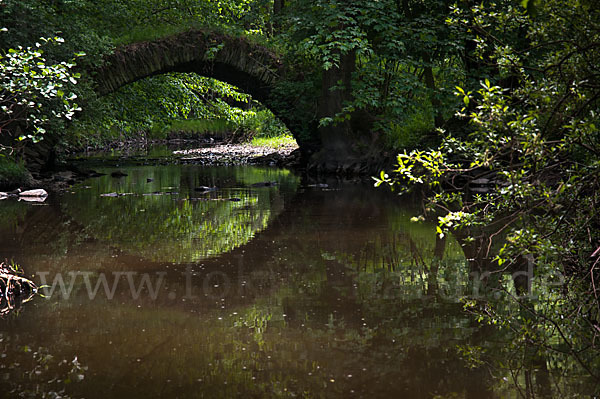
{"x": 14, "y": 289}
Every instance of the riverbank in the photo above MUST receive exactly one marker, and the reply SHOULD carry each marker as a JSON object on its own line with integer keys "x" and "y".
{"x": 241, "y": 154}
{"x": 271, "y": 153}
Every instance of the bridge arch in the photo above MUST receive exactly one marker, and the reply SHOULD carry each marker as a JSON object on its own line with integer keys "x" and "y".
{"x": 252, "y": 68}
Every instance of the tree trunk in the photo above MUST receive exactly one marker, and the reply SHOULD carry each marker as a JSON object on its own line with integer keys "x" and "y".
{"x": 335, "y": 136}
{"x": 430, "y": 83}
{"x": 278, "y": 6}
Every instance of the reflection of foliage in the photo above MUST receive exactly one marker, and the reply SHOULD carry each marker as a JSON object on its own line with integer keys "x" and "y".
{"x": 177, "y": 228}
{"x": 257, "y": 320}
{"x": 163, "y": 229}
{"x": 538, "y": 355}
{"x": 29, "y": 368}
{"x": 400, "y": 301}
{"x": 405, "y": 264}
{"x": 340, "y": 308}
{"x": 314, "y": 315}
{"x": 285, "y": 179}
{"x": 13, "y": 212}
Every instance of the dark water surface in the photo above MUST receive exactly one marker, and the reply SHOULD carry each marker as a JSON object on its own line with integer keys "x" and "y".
{"x": 246, "y": 291}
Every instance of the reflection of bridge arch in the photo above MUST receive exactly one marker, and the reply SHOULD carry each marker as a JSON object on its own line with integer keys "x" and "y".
{"x": 190, "y": 225}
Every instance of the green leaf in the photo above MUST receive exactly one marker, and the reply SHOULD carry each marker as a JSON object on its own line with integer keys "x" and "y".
{"x": 439, "y": 231}
{"x": 529, "y": 6}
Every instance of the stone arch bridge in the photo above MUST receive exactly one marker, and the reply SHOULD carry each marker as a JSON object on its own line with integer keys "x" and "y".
{"x": 260, "y": 72}
{"x": 254, "y": 69}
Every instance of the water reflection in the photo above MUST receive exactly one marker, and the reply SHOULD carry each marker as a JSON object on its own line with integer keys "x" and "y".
{"x": 324, "y": 293}
{"x": 161, "y": 214}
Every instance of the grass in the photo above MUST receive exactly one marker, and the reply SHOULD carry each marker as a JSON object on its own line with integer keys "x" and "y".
{"x": 274, "y": 142}
{"x": 12, "y": 173}
{"x": 152, "y": 33}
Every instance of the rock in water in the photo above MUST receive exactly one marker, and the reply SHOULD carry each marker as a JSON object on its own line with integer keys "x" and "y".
{"x": 118, "y": 174}
{"x": 38, "y": 193}
{"x": 204, "y": 189}
{"x": 67, "y": 176}
{"x": 93, "y": 173}
{"x": 265, "y": 184}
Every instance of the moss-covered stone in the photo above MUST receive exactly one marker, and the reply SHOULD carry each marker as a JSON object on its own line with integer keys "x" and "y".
{"x": 251, "y": 67}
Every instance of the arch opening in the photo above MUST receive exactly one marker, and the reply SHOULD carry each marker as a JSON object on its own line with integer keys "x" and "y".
{"x": 253, "y": 69}
{"x": 181, "y": 105}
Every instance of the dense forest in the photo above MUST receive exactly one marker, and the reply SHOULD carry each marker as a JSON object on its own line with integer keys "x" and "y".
{"x": 487, "y": 111}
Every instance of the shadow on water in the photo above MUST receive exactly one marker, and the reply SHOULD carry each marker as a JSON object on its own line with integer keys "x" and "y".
{"x": 282, "y": 290}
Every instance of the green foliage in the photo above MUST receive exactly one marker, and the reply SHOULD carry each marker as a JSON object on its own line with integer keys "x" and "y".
{"x": 409, "y": 132}
{"x": 34, "y": 93}
{"x": 125, "y": 21}
{"x": 13, "y": 214}
{"x": 261, "y": 123}
{"x": 193, "y": 128}
{"x": 405, "y": 61}
{"x": 187, "y": 226}
{"x": 143, "y": 20}
{"x": 36, "y": 372}
{"x": 157, "y": 106}
{"x": 533, "y": 142}
{"x": 180, "y": 104}
{"x": 12, "y": 173}
{"x": 274, "y": 142}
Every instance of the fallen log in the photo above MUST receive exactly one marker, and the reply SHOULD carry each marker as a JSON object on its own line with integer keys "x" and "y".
{"x": 15, "y": 290}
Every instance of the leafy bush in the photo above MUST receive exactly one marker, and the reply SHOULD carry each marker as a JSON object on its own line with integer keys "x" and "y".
{"x": 409, "y": 132}
{"x": 34, "y": 93}
{"x": 12, "y": 173}
{"x": 193, "y": 128}
{"x": 533, "y": 144}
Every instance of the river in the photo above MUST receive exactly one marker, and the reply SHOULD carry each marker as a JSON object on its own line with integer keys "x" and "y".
{"x": 285, "y": 289}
